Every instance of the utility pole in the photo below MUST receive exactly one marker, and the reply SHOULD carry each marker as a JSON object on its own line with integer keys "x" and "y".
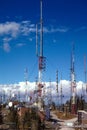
{"x": 73, "y": 85}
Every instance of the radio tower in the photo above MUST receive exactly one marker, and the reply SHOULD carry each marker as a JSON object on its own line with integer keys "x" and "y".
{"x": 61, "y": 95}
{"x": 73, "y": 85}
{"x": 41, "y": 58}
{"x": 57, "y": 86}
{"x": 26, "y": 79}
{"x": 85, "y": 72}
{"x": 26, "y": 75}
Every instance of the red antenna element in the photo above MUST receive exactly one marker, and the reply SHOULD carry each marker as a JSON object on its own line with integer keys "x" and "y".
{"x": 42, "y": 63}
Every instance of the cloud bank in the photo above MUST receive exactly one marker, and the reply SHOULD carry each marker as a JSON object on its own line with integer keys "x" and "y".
{"x": 50, "y": 89}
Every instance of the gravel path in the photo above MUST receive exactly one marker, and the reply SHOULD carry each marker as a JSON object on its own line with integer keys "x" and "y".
{"x": 57, "y": 124}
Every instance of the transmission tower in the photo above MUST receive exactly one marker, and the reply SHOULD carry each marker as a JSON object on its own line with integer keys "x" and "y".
{"x": 57, "y": 89}
{"x": 61, "y": 94}
{"x": 26, "y": 79}
{"x": 73, "y": 85}
{"x": 85, "y": 72}
{"x": 41, "y": 58}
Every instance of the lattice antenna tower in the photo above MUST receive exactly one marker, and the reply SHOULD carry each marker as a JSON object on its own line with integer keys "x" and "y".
{"x": 61, "y": 91}
{"x": 41, "y": 58}
{"x": 85, "y": 72}
{"x": 26, "y": 75}
{"x": 57, "y": 87}
{"x": 73, "y": 84}
{"x": 57, "y": 82}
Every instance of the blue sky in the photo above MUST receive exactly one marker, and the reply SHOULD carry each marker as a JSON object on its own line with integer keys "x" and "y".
{"x": 65, "y": 22}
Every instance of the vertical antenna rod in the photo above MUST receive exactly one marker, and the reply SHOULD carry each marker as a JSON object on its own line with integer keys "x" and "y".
{"x": 41, "y": 31}
{"x": 50, "y": 94}
{"x": 26, "y": 75}
{"x": 36, "y": 40}
{"x": 85, "y": 71}
{"x": 57, "y": 86}
{"x": 57, "y": 81}
{"x": 61, "y": 91}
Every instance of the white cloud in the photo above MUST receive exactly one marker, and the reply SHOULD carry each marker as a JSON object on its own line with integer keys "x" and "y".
{"x": 57, "y": 29}
{"x": 24, "y": 28}
{"x": 54, "y": 41}
{"x": 31, "y": 86}
{"x": 14, "y": 28}
{"x": 9, "y": 28}
{"x": 20, "y": 44}
{"x": 22, "y": 87}
{"x": 6, "y": 39}
{"x": 6, "y": 47}
{"x": 62, "y": 30}
{"x": 30, "y": 39}
{"x": 81, "y": 28}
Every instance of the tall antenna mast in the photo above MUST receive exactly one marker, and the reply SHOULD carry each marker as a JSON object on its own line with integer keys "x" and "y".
{"x": 41, "y": 44}
{"x": 41, "y": 62}
{"x": 36, "y": 40}
{"x": 61, "y": 91}
{"x": 50, "y": 93}
{"x": 57, "y": 86}
{"x": 85, "y": 72}
{"x": 73, "y": 84}
{"x": 4, "y": 95}
{"x": 41, "y": 31}
{"x": 26, "y": 75}
{"x": 26, "y": 79}
{"x": 57, "y": 81}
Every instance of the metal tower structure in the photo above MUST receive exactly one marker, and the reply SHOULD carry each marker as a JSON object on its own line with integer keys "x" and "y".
{"x": 26, "y": 79}
{"x": 26, "y": 75}
{"x": 50, "y": 94}
{"x": 73, "y": 85}
{"x": 57, "y": 90}
{"x": 41, "y": 58}
{"x": 85, "y": 72}
{"x": 57, "y": 81}
{"x": 4, "y": 98}
{"x": 61, "y": 92}
{"x": 19, "y": 96}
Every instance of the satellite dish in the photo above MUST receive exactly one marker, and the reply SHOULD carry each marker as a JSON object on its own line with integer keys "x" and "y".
{"x": 10, "y": 104}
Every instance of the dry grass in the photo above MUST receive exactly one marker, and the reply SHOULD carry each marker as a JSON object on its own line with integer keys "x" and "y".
{"x": 84, "y": 121}
{"x": 64, "y": 116}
